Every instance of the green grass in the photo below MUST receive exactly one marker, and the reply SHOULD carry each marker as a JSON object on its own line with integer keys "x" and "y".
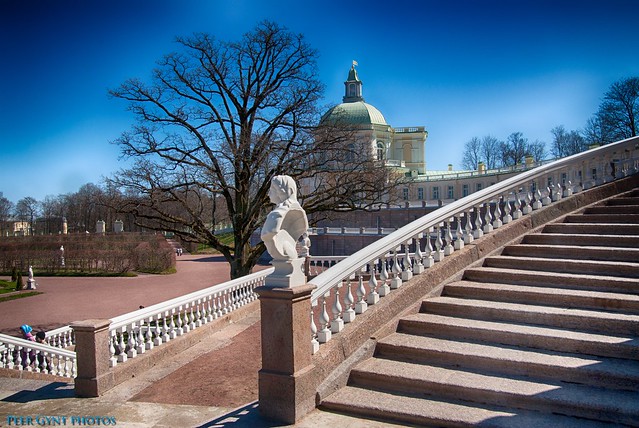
{"x": 7, "y": 286}
{"x": 19, "y": 296}
{"x": 225, "y": 238}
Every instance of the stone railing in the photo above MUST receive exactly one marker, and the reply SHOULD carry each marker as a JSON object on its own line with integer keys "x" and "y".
{"x": 61, "y": 337}
{"x": 139, "y": 331}
{"x": 25, "y": 355}
{"x": 347, "y": 289}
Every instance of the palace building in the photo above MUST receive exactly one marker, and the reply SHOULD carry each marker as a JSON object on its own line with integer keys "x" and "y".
{"x": 398, "y": 147}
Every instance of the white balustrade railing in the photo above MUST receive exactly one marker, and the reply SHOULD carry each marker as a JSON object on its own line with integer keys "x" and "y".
{"x": 20, "y": 354}
{"x": 346, "y": 289}
{"x": 61, "y": 337}
{"x": 142, "y": 330}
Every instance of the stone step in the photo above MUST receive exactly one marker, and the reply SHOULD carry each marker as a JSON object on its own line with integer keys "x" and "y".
{"x": 590, "y": 267}
{"x": 593, "y": 228}
{"x": 612, "y": 209}
{"x": 517, "y": 334}
{"x": 426, "y": 411}
{"x": 519, "y": 392}
{"x": 619, "y": 241}
{"x": 500, "y": 360}
{"x": 566, "y": 318}
{"x": 572, "y": 252}
{"x": 603, "y": 218}
{"x": 581, "y": 299}
{"x": 630, "y": 200}
{"x": 552, "y": 279}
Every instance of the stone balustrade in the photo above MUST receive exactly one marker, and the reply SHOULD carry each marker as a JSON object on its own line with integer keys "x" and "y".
{"x": 25, "y": 355}
{"x": 346, "y": 289}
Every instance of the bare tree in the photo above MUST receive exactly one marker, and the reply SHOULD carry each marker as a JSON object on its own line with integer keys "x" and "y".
{"x": 27, "y": 209}
{"x": 514, "y": 150}
{"x": 472, "y": 153}
{"x": 6, "y": 209}
{"x": 217, "y": 122}
{"x": 618, "y": 113}
{"x": 566, "y": 143}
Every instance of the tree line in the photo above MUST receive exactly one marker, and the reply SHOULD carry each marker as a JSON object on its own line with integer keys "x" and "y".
{"x": 615, "y": 119}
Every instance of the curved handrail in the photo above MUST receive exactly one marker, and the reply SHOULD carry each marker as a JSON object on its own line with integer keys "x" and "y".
{"x": 346, "y": 268}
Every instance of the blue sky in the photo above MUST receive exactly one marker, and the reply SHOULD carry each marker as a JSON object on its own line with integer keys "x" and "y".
{"x": 461, "y": 68}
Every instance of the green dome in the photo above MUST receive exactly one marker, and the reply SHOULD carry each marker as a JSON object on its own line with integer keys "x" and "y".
{"x": 355, "y": 113}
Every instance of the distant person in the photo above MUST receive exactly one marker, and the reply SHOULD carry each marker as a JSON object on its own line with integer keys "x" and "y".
{"x": 44, "y": 363}
{"x": 26, "y": 331}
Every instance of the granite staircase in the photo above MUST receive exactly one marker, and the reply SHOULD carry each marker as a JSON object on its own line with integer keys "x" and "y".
{"x": 544, "y": 334}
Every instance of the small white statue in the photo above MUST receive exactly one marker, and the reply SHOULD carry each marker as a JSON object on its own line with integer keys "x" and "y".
{"x": 283, "y": 228}
{"x": 31, "y": 283}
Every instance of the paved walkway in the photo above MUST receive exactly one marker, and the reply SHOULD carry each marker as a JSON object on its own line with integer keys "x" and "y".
{"x": 68, "y": 299}
{"x": 165, "y": 395}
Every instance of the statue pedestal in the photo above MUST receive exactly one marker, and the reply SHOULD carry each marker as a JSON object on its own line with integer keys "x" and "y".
{"x": 287, "y": 274}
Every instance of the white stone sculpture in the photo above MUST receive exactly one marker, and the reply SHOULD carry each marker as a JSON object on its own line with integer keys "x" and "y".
{"x": 283, "y": 228}
{"x": 31, "y": 282}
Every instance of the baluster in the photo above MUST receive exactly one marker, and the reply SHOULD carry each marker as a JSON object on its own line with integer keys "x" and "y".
{"x": 418, "y": 267}
{"x": 337, "y": 324}
{"x": 527, "y": 207}
{"x": 537, "y": 203}
{"x": 517, "y": 206}
{"x": 173, "y": 328}
{"x": 407, "y": 272}
{"x": 193, "y": 323}
{"x": 557, "y": 195}
{"x": 10, "y": 361}
{"x": 148, "y": 341}
{"x": 373, "y": 296}
{"x": 157, "y": 330}
{"x": 225, "y": 303}
{"x": 216, "y": 308}
{"x": 478, "y": 232}
{"x": 112, "y": 350}
{"x": 324, "y": 335}
{"x": 210, "y": 309}
{"x": 314, "y": 343}
{"x": 122, "y": 357}
{"x": 568, "y": 189}
{"x": 361, "y": 305}
{"x": 140, "y": 339}
{"x": 459, "y": 234}
{"x": 166, "y": 330}
{"x": 497, "y": 223}
{"x": 508, "y": 209}
{"x": 383, "y": 289}
{"x": 198, "y": 313}
{"x": 468, "y": 228}
{"x": 449, "y": 248}
{"x": 132, "y": 352}
{"x": 349, "y": 301}
{"x": 180, "y": 329}
{"x": 62, "y": 366}
{"x": 439, "y": 253}
{"x": 429, "y": 261}
{"x": 488, "y": 219}
{"x": 19, "y": 362}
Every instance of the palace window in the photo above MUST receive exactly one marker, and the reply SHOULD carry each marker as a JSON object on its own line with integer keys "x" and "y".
{"x": 381, "y": 151}
{"x": 465, "y": 191}
{"x": 451, "y": 192}
{"x": 420, "y": 193}
{"x": 478, "y": 187}
{"x": 435, "y": 192}
{"x": 405, "y": 192}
